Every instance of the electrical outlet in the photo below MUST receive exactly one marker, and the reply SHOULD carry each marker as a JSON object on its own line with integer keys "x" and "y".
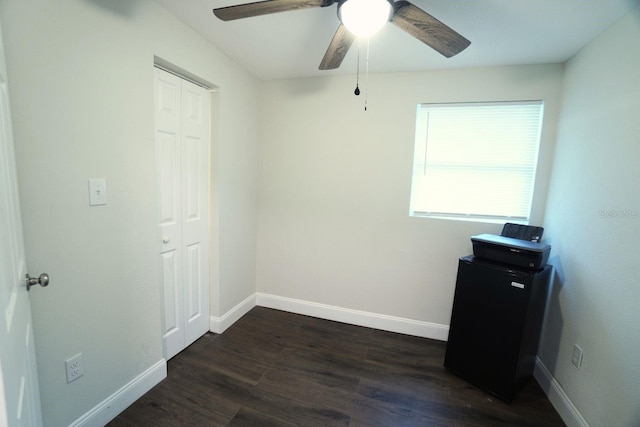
{"x": 74, "y": 367}
{"x": 576, "y": 357}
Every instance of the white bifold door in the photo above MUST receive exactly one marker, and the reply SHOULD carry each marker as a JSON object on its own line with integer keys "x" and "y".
{"x": 182, "y": 165}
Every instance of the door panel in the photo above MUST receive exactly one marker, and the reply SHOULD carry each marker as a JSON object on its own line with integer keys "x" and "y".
{"x": 193, "y": 188}
{"x": 193, "y": 280}
{"x": 170, "y": 281}
{"x": 195, "y": 152}
{"x": 194, "y": 106}
{"x": 196, "y": 311}
{"x": 168, "y": 171}
{"x": 19, "y": 394}
{"x": 167, "y": 153}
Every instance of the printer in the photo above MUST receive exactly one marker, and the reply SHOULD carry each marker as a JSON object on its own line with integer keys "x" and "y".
{"x": 508, "y": 250}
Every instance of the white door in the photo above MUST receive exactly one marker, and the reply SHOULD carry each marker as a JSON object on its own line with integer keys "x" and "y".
{"x": 182, "y": 174}
{"x": 19, "y": 394}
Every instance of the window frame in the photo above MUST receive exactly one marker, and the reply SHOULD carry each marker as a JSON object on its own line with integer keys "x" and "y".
{"x": 421, "y": 163}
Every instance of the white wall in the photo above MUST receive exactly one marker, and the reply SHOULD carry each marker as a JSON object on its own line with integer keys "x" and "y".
{"x": 334, "y": 225}
{"x": 593, "y": 218}
{"x": 81, "y": 82}
{"x": 332, "y": 219}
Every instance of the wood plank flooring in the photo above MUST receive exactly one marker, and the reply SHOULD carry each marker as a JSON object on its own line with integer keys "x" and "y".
{"x": 274, "y": 368}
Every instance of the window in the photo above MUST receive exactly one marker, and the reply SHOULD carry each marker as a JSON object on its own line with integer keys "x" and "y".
{"x": 476, "y": 161}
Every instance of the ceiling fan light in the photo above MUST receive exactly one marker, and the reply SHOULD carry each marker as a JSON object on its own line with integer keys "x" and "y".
{"x": 364, "y": 18}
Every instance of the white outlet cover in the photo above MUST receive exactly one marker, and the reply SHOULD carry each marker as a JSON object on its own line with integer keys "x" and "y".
{"x": 74, "y": 367}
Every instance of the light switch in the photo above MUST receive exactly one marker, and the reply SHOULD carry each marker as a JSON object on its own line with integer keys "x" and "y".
{"x": 97, "y": 192}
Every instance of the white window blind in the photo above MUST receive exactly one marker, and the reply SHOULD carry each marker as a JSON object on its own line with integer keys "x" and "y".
{"x": 476, "y": 160}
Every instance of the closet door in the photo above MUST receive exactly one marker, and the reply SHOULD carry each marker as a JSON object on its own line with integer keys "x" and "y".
{"x": 182, "y": 153}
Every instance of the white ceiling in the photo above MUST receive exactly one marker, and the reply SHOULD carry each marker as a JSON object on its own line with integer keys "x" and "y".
{"x": 502, "y": 32}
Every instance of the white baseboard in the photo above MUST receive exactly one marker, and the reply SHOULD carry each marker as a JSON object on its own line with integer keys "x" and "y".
{"x": 355, "y": 317}
{"x": 220, "y": 324}
{"x": 558, "y": 398}
{"x": 109, "y": 408}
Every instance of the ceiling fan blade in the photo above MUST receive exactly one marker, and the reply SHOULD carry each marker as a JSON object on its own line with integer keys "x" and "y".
{"x": 337, "y": 49}
{"x": 248, "y": 10}
{"x": 428, "y": 29}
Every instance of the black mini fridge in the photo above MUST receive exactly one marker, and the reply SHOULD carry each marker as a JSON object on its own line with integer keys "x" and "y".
{"x": 496, "y": 322}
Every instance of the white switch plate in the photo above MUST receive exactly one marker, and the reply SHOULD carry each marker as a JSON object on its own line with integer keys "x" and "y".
{"x": 576, "y": 356}
{"x": 97, "y": 192}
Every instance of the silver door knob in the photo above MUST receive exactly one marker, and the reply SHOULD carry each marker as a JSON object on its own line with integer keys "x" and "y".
{"x": 42, "y": 280}
{"x": 165, "y": 239}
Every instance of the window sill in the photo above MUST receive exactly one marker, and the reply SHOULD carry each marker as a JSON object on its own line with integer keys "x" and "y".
{"x": 466, "y": 218}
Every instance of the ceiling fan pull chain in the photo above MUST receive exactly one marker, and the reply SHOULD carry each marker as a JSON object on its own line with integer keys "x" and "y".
{"x": 357, "y": 91}
{"x": 366, "y": 78}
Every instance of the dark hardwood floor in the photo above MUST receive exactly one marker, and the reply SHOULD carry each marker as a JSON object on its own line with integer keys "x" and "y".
{"x": 274, "y": 368}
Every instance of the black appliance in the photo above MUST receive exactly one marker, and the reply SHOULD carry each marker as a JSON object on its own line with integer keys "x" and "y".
{"x": 495, "y": 324}
{"x": 509, "y": 250}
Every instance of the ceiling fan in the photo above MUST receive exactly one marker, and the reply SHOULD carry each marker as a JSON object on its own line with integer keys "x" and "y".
{"x": 401, "y": 13}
